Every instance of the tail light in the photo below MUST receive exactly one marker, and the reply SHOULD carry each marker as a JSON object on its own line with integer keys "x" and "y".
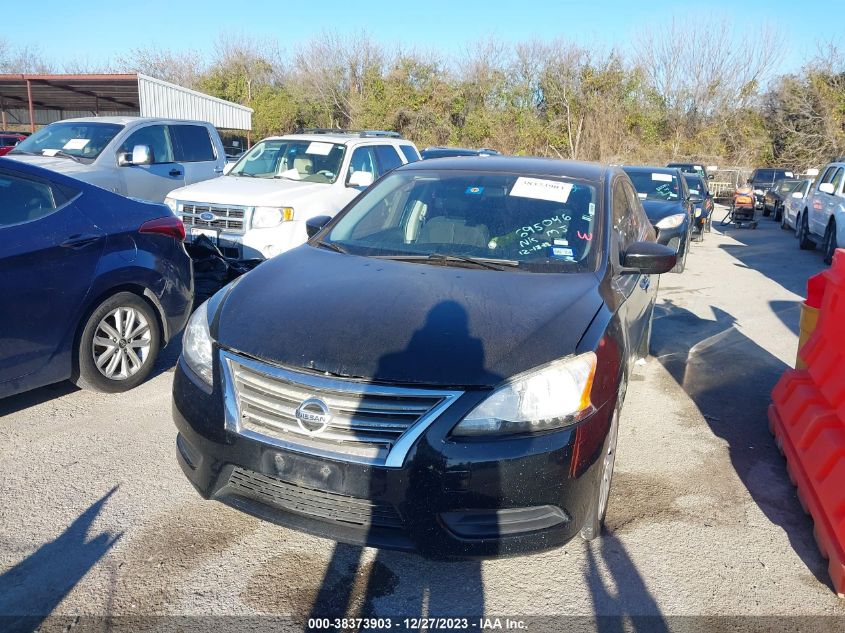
{"x": 170, "y": 226}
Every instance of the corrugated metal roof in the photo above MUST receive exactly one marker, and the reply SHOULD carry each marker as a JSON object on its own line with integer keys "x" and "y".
{"x": 56, "y": 97}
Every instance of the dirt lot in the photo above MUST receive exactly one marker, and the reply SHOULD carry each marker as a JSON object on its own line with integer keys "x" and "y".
{"x": 96, "y": 517}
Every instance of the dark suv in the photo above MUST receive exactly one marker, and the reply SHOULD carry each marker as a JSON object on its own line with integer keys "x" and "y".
{"x": 763, "y": 179}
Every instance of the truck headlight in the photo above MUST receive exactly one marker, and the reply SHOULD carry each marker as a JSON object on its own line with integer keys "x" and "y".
{"x": 759, "y": 192}
{"x": 172, "y": 204}
{"x": 550, "y": 397}
{"x": 671, "y": 221}
{"x": 196, "y": 344}
{"x": 268, "y": 217}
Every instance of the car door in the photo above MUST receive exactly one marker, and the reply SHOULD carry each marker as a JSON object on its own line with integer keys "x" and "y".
{"x": 363, "y": 158}
{"x": 152, "y": 182}
{"x": 820, "y": 209}
{"x": 628, "y": 228}
{"x": 194, "y": 150}
{"x": 49, "y": 251}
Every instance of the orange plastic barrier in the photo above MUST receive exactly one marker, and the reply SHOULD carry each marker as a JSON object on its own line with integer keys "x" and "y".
{"x": 807, "y": 417}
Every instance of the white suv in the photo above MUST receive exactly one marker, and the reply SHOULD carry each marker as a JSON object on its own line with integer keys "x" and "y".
{"x": 260, "y": 207}
{"x": 823, "y": 219}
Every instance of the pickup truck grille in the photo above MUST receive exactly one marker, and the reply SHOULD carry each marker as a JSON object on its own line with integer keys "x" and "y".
{"x": 369, "y": 423}
{"x": 226, "y": 218}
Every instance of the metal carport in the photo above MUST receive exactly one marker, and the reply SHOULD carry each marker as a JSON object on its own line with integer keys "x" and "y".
{"x": 42, "y": 99}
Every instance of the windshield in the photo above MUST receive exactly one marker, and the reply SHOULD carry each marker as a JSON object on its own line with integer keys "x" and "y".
{"x": 655, "y": 185}
{"x": 770, "y": 175}
{"x": 82, "y": 140}
{"x": 696, "y": 188}
{"x": 788, "y": 185}
{"x": 540, "y": 224}
{"x": 309, "y": 161}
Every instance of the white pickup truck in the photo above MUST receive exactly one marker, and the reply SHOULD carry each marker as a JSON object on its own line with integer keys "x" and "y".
{"x": 259, "y": 209}
{"x": 140, "y": 157}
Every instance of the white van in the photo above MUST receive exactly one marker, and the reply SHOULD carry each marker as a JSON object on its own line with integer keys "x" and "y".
{"x": 139, "y": 157}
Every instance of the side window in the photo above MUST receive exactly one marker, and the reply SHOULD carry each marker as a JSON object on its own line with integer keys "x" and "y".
{"x": 641, "y": 229}
{"x": 388, "y": 158}
{"x": 621, "y": 217}
{"x": 191, "y": 143}
{"x": 363, "y": 159}
{"x": 837, "y": 180}
{"x": 410, "y": 152}
{"x": 828, "y": 175}
{"x": 156, "y": 138}
{"x": 24, "y": 200}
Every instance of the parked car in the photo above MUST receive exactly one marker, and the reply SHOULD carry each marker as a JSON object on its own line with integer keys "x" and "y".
{"x": 498, "y": 304}
{"x": 794, "y": 203}
{"x": 666, "y": 200}
{"x": 822, "y": 222}
{"x": 259, "y": 209}
{"x": 691, "y": 168}
{"x": 763, "y": 179}
{"x": 450, "y": 152}
{"x": 774, "y": 198}
{"x": 702, "y": 201}
{"x": 96, "y": 283}
{"x": 134, "y": 156}
{"x": 8, "y": 141}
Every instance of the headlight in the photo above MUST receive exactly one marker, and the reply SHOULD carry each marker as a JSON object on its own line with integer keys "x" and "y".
{"x": 268, "y": 217}
{"x": 759, "y": 192}
{"x": 671, "y": 221}
{"x": 196, "y": 344}
{"x": 172, "y": 204}
{"x": 551, "y": 397}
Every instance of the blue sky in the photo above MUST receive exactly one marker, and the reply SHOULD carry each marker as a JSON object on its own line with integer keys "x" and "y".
{"x": 98, "y": 31}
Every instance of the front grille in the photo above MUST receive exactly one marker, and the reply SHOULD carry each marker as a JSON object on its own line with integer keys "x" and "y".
{"x": 320, "y": 504}
{"x": 372, "y": 424}
{"x": 226, "y": 218}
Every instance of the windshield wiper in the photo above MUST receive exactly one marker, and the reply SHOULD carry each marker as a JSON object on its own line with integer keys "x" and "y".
{"x": 481, "y": 262}
{"x": 64, "y": 155}
{"x": 332, "y": 246}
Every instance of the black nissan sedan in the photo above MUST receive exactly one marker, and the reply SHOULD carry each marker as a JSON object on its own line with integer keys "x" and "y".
{"x": 668, "y": 204}
{"x": 440, "y": 368}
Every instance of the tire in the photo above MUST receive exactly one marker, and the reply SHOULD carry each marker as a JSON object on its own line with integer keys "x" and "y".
{"x": 682, "y": 264}
{"x": 829, "y": 246}
{"x": 591, "y": 529}
{"x": 798, "y": 220}
{"x": 783, "y": 225}
{"x": 778, "y": 213}
{"x": 124, "y": 362}
{"x": 804, "y": 241}
{"x": 766, "y": 211}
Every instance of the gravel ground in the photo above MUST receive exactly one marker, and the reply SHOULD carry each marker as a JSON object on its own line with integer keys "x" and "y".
{"x": 97, "y": 519}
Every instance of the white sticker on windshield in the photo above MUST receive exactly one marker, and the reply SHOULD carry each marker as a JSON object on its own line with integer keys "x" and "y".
{"x": 321, "y": 149}
{"x": 76, "y": 143}
{"x": 50, "y": 152}
{"x": 642, "y": 196}
{"x": 698, "y": 168}
{"x": 662, "y": 177}
{"x": 541, "y": 189}
{"x": 788, "y": 174}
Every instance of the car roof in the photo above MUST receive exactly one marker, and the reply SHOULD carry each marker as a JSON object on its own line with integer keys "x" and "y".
{"x": 515, "y": 165}
{"x": 641, "y": 169}
{"x": 339, "y": 138}
{"x": 126, "y": 120}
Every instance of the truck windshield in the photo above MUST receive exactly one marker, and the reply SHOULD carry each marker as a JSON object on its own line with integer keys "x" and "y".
{"x": 309, "y": 161}
{"x": 80, "y": 140}
{"x": 656, "y": 185}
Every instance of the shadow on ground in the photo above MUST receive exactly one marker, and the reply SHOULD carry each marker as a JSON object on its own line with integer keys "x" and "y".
{"x": 32, "y": 589}
{"x": 730, "y": 379}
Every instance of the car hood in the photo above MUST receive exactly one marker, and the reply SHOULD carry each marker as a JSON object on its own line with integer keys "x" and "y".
{"x": 656, "y": 210}
{"x": 406, "y": 323}
{"x": 241, "y": 190}
{"x": 54, "y": 163}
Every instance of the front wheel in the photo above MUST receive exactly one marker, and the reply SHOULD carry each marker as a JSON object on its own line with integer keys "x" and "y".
{"x": 118, "y": 345}
{"x": 783, "y": 224}
{"x": 598, "y": 509}
{"x": 830, "y": 242}
{"x": 804, "y": 241}
{"x": 682, "y": 258}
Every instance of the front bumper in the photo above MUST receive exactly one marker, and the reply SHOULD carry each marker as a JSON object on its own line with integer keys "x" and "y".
{"x": 259, "y": 243}
{"x": 448, "y": 499}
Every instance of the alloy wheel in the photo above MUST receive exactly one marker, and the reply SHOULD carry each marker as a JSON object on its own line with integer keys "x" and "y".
{"x": 121, "y": 344}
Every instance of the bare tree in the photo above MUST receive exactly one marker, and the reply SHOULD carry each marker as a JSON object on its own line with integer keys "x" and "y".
{"x": 179, "y": 67}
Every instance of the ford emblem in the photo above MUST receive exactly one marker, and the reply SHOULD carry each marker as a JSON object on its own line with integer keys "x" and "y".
{"x": 313, "y": 416}
{"x": 207, "y": 217}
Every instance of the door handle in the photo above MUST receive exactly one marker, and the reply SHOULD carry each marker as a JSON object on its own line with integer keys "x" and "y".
{"x": 645, "y": 282}
{"x": 175, "y": 172}
{"x": 218, "y": 170}
{"x": 79, "y": 241}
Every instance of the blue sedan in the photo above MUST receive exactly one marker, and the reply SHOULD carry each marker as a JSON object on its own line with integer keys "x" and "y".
{"x": 93, "y": 284}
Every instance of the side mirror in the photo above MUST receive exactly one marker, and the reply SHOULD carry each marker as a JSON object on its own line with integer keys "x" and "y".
{"x": 360, "y": 179}
{"x": 649, "y": 258}
{"x": 797, "y": 194}
{"x": 142, "y": 155}
{"x": 124, "y": 159}
{"x": 711, "y": 177}
{"x": 315, "y": 225}
{"x": 826, "y": 187}
{"x": 228, "y": 167}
